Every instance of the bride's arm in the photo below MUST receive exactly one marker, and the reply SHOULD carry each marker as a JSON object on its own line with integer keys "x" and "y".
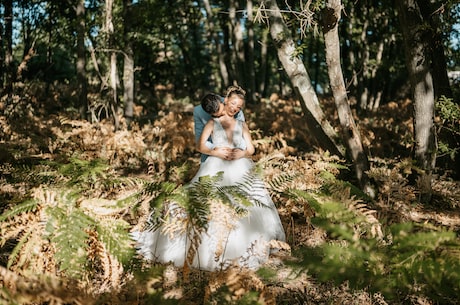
{"x": 247, "y": 138}
{"x": 201, "y": 144}
{"x": 239, "y": 153}
{"x": 221, "y": 152}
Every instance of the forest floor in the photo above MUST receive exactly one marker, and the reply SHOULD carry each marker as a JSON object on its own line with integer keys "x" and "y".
{"x": 387, "y": 137}
{"x": 278, "y": 129}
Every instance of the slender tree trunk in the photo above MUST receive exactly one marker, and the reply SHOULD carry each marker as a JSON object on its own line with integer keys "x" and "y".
{"x": 113, "y": 72}
{"x": 217, "y": 44}
{"x": 237, "y": 43}
{"x": 317, "y": 63}
{"x": 320, "y": 127}
{"x": 417, "y": 44}
{"x": 262, "y": 73}
{"x": 363, "y": 81}
{"x": 377, "y": 84}
{"x": 128, "y": 66}
{"x": 9, "y": 69}
{"x": 350, "y": 132}
{"x": 229, "y": 60}
{"x": 349, "y": 59}
{"x": 249, "y": 62}
{"x": 431, "y": 11}
{"x": 81, "y": 61}
{"x": 2, "y": 60}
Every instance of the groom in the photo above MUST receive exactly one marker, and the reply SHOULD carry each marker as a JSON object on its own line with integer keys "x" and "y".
{"x": 213, "y": 106}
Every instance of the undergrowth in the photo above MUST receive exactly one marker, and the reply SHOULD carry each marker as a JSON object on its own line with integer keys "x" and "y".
{"x": 66, "y": 216}
{"x": 68, "y": 236}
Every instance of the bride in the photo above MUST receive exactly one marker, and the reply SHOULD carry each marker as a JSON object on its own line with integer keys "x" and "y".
{"x": 231, "y": 237}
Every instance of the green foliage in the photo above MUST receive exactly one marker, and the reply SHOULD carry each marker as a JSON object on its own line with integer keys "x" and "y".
{"x": 448, "y": 111}
{"x": 157, "y": 194}
{"x": 196, "y": 197}
{"x": 113, "y": 233}
{"x": 58, "y": 226}
{"x": 222, "y": 296}
{"x": 67, "y": 228}
{"x": 410, "y": 259}
{"x": 26, "y": 206}
{"x": 84, "y": 172}
{"x": 448, "y": 127}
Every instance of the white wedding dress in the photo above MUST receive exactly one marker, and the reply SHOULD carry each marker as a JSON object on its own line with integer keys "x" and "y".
{"x": 230, "y": 239}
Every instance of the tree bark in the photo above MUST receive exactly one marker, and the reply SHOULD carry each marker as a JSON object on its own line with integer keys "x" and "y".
{"x": 218, "y": 45}
{"x": 249, "y": 62}
{"x": 113, "y": 71}
{"x": 81, "y": 61}
{"x": 8, "y": 64}
{"x": 417, "y": 45}
{"x": 431, "y": 11}
{"x": 262, "y": 73}
{"x": 316, "y": 121}
{"x": 350, "y": 132}
{"x": 2, "y": 60}
{"x": 238, "y": 56}
{"x": 128, "y": 65}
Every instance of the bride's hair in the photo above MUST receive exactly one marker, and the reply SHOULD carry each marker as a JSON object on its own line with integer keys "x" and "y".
{"x": 232, "y": 90}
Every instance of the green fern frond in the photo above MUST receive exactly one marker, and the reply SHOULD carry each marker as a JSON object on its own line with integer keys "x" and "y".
{"x": 68, "y": 230}
{"x": 250, "y": 191}
{"x": 84, "y": 172}
{"x": 414, "y": 259}
{"x": 236, "y": 197}
{"x": 279, "y": 183}
{"x": 158, "y": 195}
{"x": 29, "y": 205}
{"x": 14, "y": 255}
{"x": 113, "y": 233}
{"x": 199, "y": 195}
{"x": 297, "y": 195}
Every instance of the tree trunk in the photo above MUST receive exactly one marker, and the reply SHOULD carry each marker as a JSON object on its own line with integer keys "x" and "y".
{"x": 227, "y": 45}
{"x": 321, "y": 129}
{"x": 262, "y": 73}
{"x": 2, "y": 60}
{"x": 113, "y": 71}
{"x": 128, "y": 66}
{"x": 431, "y": 11}
{"x": 218, "y": 45}
{"x": 249, "y": 62}
{"x": 9, "y": 69}
{"x": 238, "y": 57}
{"x": 417, "y": 44}
{"x": 350, "y": 133}
{"x": 377, "y": 85}
{"x": 363, "y": 79}
{"x": 81, "y": 61}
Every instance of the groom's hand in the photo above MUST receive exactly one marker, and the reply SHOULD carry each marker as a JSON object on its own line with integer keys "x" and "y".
{"x": 224, "y": 153}
{"x": 238, "y": 154}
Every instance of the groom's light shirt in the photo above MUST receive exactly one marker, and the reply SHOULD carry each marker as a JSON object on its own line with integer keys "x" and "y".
{"x": 200, "y": 118}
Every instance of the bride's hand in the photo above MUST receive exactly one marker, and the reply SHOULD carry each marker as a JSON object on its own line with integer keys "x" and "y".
{"x": 238, "y": 154}
{"x": 224, "y": 153}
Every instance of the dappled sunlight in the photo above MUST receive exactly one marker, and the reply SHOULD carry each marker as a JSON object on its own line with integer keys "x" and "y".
{"x": 110, "y": 166}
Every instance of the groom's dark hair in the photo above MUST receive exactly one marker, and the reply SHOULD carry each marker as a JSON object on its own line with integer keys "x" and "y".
{"x": 210, "y": 102}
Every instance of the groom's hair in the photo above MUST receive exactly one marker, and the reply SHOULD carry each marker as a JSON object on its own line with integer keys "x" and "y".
{"x": 210, "y": 102}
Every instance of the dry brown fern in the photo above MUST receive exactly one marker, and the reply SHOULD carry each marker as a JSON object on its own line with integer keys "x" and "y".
{"x": 42, "y": 289}
{"x": 110, "y": 271}
{"x": 239, "y": 282}
{"x": 370, "y": 225}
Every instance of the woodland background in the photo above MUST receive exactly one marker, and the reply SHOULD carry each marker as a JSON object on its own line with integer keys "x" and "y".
{"x": 97, "y": 128}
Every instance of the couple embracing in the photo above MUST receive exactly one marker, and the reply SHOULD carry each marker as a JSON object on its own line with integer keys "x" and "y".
{"x": 224, "y": 140}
